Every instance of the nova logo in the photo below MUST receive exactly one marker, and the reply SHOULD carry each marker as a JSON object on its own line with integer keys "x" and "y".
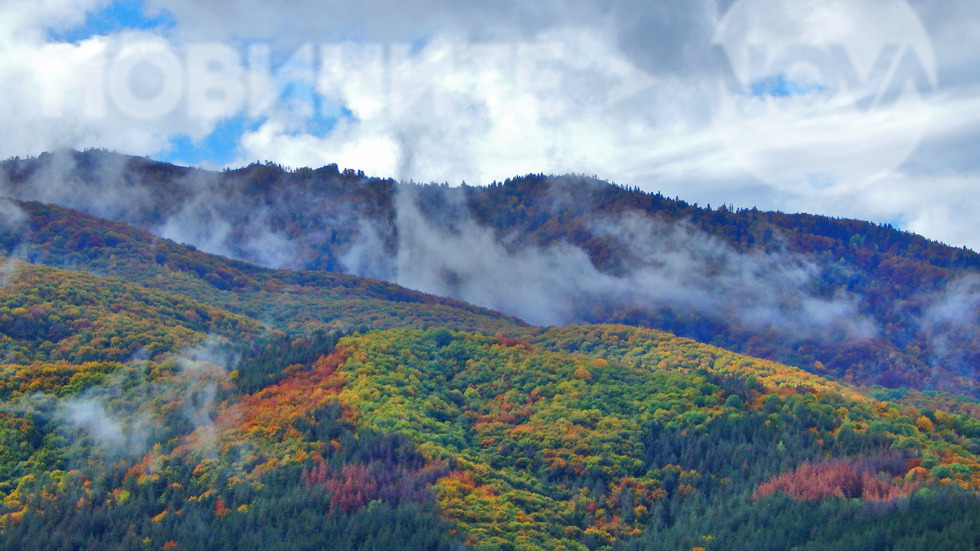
{"x": 823, "y": 94}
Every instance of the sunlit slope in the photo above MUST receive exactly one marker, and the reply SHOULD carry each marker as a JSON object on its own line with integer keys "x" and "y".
{"x": 51, "y": 314}
{"x": 637, "y": 439}
{"x": 556, "y": 449}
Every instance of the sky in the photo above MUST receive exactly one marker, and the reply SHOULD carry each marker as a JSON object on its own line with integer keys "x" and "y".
{"x": 863, "y": 109}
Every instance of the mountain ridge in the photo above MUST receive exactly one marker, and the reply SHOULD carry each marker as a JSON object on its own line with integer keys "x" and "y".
{"x": 864, "y": 302}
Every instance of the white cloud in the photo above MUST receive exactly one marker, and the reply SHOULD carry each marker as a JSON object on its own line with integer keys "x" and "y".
{"x": 452, "y": 111}
{"x": 28, "y": 21}
{"x": 349, "y": 146}
{"x": 57, "y": 95}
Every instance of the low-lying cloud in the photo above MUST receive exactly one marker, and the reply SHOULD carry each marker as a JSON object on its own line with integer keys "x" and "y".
{"x": 110, "y": 433}
{"x": 951, "y": 323}
{"x": 674, "y": 266}
{"x": 129, "y": 412}
{"x": 12, "y": 219}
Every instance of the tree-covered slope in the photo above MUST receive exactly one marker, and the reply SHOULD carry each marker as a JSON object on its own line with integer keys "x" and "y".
{"x": 556, "y": 449}
{"x": 50, "y": 314}
{"x": 858, "y": 301}
{"x": 636, "y": 440}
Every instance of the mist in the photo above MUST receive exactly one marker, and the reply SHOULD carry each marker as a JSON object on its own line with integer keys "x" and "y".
{"x": 448, "y": 253}
{"x": 195, "y": 207}
{"x": 227, "y": 223}
{"x": 951, "y": 323}
{"x": 672, "y": 265}
{"x": 203, "y": 369}
{"x": 131, "y": 411}
{"x": 113, "y": 435}
{"x": 12, "y": 220}
{"x": 11, "y": 216}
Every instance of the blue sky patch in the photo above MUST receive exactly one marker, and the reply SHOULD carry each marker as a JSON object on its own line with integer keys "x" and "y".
{"x": 220, "y": 147}
{"x": 780, "y": 86}
{"x": 330, "y": 112}
{"x": 119, "y": 15}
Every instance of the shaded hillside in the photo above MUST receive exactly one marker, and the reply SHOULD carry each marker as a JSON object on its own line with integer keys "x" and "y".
{"x": 853, "y": 300}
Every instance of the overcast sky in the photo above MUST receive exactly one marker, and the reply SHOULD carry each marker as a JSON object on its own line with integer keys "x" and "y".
{"x": 855, "y": 108}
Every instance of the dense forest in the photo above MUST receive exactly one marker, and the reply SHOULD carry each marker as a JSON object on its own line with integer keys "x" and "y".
{"x": 156, "y": 396}
{"x": 849, "y": 299}
{"x": 462, "y": 440}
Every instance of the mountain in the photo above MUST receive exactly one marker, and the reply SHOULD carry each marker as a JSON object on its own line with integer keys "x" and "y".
{"x": 155, "y": 396}
{"x": 861, "y": 302}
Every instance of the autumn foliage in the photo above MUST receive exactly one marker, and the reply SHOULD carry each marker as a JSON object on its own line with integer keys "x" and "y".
{"x": 355, "y": 485}
{"x": 843, "y": 478}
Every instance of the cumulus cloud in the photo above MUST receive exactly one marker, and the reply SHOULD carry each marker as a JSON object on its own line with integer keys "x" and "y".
{"x": 57, "y": 96}
{"x": 27, "y": 21}
{"x": 372, "y": 20}
{"x": 452, "y": 111}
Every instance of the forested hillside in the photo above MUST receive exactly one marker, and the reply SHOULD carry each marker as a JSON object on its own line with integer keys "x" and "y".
{"x": 155, "y": 396}
{"x": 848, "y": 299}
{"x": 468, "y": 441}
